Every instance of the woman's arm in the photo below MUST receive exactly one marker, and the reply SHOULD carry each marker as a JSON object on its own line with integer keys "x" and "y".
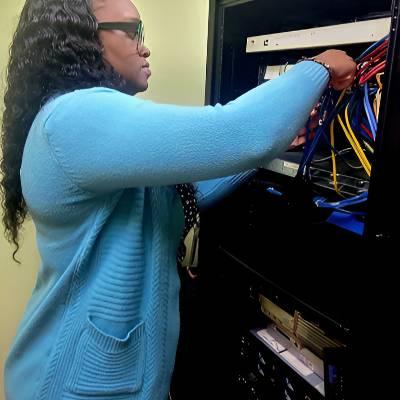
{"x": 105, "y": 140}
{"x": 213, "y": 190}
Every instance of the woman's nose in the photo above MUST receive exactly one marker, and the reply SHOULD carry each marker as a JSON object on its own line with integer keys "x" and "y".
{"x": 144, "y": 52}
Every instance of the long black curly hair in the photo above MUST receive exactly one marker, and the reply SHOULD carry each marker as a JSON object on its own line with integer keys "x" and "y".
{"x": 56, "y": 49}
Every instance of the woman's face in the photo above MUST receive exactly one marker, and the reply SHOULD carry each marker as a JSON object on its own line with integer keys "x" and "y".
{"x": 127, "y": 57}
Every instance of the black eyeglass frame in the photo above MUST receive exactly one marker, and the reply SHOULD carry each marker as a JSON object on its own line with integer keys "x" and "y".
{"x": 133, "y": 29}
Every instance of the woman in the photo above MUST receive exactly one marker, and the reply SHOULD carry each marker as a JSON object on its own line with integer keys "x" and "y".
{"x": 100, "y": 173}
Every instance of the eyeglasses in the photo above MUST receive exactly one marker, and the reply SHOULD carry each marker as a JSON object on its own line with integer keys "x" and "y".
{"x": 134, "y": 29}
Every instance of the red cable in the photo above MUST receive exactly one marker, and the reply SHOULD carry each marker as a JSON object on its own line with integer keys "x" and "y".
{"x": 367, "y": 131}
{"x": 377, "y": 50}
{"x": 374, "y": 60}
{"x": 378, "y": 68}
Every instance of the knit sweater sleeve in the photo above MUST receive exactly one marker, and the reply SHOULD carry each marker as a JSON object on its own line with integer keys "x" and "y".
{"x": 105, "y": 140}
{"x": 213, "y": 190}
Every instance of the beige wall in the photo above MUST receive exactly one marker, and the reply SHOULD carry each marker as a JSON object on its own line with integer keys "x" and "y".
{"x": 176, "y": 32}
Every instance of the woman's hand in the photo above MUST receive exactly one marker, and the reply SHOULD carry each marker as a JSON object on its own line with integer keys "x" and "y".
{"x": 343, "y": 68}
{"x": 301, "y": 138}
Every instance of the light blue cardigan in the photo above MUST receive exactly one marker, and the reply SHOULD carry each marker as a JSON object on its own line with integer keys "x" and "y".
{"x": 97, "y": 175}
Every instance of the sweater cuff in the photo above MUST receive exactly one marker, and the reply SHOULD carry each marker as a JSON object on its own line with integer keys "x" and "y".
{"x": 312, "y": 70}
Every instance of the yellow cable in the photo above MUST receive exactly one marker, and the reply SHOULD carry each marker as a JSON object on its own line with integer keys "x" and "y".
{"x": 354, "y": 143}
{"x": 332, "y": 136}
{"x": 378, "y": 103}
{"x": 350, "y": 130}
{"x": 379, "y": 93}
{"x": 360, "y": 150}
{"x": 369, "y": 147}
{"x": 334, "y": 169}
{"x": 341, "y": 97}
{"x": 379, "y": 80}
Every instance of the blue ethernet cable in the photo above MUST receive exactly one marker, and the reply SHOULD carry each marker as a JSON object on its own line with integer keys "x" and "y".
{"x": 370, "y": 114}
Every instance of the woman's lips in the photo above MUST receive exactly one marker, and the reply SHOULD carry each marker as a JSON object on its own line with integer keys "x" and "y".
{"x": 147, "y": 70}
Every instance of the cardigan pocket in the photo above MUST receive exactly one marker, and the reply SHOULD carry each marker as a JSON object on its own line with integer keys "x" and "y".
{"x": 106, "y": 365}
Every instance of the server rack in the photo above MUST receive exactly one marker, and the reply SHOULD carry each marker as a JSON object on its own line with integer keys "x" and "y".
{"x": 223, "y": 318}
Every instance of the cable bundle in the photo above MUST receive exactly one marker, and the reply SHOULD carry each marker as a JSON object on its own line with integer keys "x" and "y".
{"x": 353, "y": 114}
